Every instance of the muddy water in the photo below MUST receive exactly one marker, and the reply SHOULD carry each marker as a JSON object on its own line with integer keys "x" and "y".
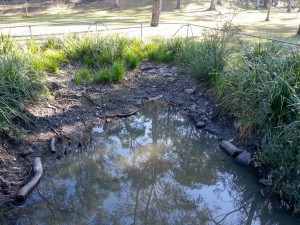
{"x": 153, "y": 168}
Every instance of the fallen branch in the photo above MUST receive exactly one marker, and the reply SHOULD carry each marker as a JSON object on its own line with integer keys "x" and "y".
{"x": 27, "y": 189}
{"x": 52, "y": 145}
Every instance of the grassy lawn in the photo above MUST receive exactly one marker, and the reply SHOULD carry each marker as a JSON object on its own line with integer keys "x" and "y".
{"x": 281, "y": 25}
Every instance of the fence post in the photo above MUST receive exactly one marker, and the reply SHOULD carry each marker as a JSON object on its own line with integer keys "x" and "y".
{"x": 141, "y": 31}
{"x": 187, "y": 30}
{"x": 30, "y": 31}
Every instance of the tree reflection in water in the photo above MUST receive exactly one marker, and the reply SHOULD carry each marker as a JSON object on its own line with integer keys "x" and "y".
{"x": 154, "y": 168}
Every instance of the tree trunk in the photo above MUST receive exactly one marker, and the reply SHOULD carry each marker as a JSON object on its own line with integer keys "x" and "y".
{"x": 269, "y": 10}
{"x": 212, "y": 6}
{"x": 116, "y": 5}
{"x": 257, "y": 4}
{"x": 26, "y": 8}
{"x": 266, "y": 3}
{"x": 156, "y": 9}
{"x": 289, "y": 5}
{"x": 178, "y": 4}
{"x": 298, "y": 32}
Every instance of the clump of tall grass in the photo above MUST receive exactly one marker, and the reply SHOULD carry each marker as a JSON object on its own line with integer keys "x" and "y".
{"x": 163, "y": 50}
{"x": 107, "y": 57}
{"x": 205, "y": 58}
{"x": 261, "y": 88}
{"x": 114, "y": 73}
{"x": 83, "y": 76}
{"x": 47, "y": 56}
{"x": 19, "y": 82}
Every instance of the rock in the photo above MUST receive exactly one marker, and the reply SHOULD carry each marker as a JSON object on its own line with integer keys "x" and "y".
{"x": 27, "y": 152}
{"x": 147, "y": 66}
{"x": 170, "y": 79}
{"x": 189, "y": 91}
{"x": 265, "y": 182}
{"x": 200, "y": 124}
{"x": 193, "y": 107}
{"x": 167, "y": 74}
{"x": 230, "y": 148}
{"x": 236, "y": 125}
{"x": 244, "y": 158}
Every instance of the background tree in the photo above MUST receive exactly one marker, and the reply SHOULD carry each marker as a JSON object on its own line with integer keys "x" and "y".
{"x": 269, "y": 10}
{"x": 156, "y": 9}
{"x": 178, "y": 4}
{"x": 212, "y": 6}
{"x": 289, "y": 5}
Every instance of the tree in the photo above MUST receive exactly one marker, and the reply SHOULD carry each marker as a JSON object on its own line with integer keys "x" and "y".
{"x": 178, "y": 4}
{"x": 212, "y": 6}
{"x": 269, "y": 10}
{"x": 257, "y": 4}
{"x": 156, "y": 9}
{"x": 116, "y": 5}
{"x": 289, "y": 5}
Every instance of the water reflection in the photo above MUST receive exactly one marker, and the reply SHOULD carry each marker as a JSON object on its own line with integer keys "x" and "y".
{"x": 154, "y": 168}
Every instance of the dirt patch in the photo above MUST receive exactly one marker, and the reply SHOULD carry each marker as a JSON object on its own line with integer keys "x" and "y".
{"x": 77, "y": 108}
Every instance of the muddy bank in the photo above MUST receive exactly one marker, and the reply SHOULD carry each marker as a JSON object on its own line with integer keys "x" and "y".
{"x": 76, "y": 108}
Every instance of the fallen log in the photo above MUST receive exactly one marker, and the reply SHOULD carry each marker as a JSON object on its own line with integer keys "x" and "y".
{"x": 27, "y": 189}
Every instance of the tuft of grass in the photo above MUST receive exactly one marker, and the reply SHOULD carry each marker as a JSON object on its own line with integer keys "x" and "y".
{"x": 118, "y": 70}
{"x": 82, "y": 76}
{"x": 19, "y": 82}
{"x": 48, "y": 60}
{"x": 205, "y": 59}
{"x": 103, "y": 76}
{"x": 164, "y": 50}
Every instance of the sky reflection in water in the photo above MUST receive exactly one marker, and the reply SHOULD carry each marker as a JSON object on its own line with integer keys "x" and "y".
{"x": 153, "y": 168}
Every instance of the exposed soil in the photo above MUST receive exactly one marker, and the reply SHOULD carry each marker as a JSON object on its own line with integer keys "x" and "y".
{"x": 77, "y": 108}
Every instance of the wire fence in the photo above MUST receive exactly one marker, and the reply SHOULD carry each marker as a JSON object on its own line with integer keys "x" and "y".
{"x": 141, "y": 30}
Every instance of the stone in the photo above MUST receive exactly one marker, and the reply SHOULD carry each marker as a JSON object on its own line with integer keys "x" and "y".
{"x": 189, "y": 91}
{"x": 265, "y": 182}
{"x": 192, "y": 107}
{"x": 170, "y": 79}
{"x": 243, "y": 158}
{"x": 200, "y": 124}
{"x": 147, "y": 66}
{"x": 27, "y": 152}
{"x": 230, "y": 148}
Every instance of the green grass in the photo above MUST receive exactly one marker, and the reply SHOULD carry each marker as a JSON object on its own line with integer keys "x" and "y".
{"x": 83, "y": 76}
{"x": 19, "y": 82}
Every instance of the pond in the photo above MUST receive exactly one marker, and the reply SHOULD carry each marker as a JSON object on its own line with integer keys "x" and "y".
{"x": 152, "y": 168}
